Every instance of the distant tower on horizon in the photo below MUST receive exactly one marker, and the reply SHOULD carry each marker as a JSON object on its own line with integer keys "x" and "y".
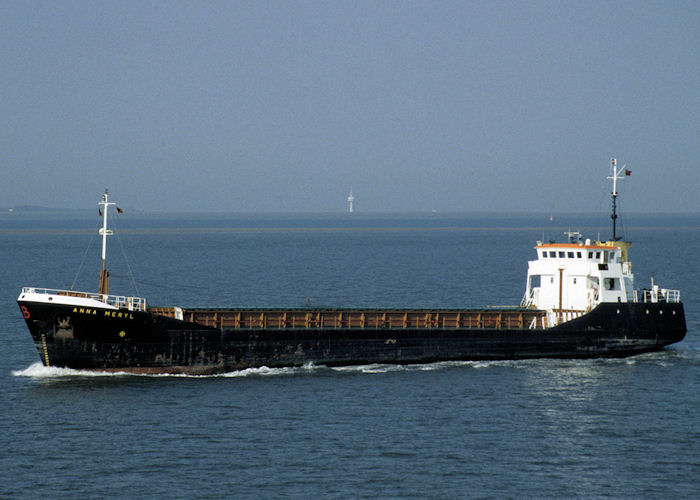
{"x": 351, "y": 198}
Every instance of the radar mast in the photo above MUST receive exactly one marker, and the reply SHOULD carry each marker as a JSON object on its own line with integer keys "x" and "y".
{"x": 615, "y": 175}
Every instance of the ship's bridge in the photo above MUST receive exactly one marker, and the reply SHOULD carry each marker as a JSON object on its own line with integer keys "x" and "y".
{"x": 569, "y": 279}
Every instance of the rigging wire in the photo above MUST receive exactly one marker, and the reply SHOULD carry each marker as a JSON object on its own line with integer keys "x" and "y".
{"x": 166, "y": 285}
{"x": 602, "y": 209}
{"x": 82, "y": 262}
{"x": 599, "y": 211}
{"x": 621, "y": 221}
{"x": 126, "y": 260}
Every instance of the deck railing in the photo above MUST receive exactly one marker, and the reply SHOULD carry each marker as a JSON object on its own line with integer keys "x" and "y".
{"x": 119, "y": 301}
{"x": 657, "y": 295}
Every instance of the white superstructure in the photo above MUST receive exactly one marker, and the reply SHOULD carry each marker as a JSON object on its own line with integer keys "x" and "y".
{"x": 351, "y": 199}
{"x": 569, "y": 279}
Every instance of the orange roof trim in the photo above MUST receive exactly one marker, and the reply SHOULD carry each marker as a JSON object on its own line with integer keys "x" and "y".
{"x": 575, "y": 245}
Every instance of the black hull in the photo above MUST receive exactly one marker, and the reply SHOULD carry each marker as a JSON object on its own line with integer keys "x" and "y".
{"x": 142, "y": 342}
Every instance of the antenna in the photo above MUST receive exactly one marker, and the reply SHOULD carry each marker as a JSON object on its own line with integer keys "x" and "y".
{"x": 351, "y": 198}
{"x": 573, "y": 236}
{"x": 615, "y": 175}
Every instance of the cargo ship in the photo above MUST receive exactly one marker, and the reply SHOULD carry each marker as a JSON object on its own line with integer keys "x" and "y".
{"x": 579, "y": 302}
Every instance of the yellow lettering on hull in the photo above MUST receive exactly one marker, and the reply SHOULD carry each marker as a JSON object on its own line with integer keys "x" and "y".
{"x": 108, "y": 314}
{"x": 118, "y": 315}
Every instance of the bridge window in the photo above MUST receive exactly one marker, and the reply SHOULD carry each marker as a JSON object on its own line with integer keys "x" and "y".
{"x": 570, "y": 255}
{"x": 590, "y": 255}
{"x": 578, "y": 255}
{"x": 611, "y": 283}
{"x": 597, "y": 255}
{"x": 561, "y": 255}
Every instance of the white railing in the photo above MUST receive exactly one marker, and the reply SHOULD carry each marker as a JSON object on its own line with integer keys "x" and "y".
{"x": 530, "y": 298}
{"x": 119, "y": 301}
{"x": 657, "y": 294}
{"x": 556, "y": 316}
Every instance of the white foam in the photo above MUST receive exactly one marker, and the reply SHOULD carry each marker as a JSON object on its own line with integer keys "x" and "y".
{"x": 37, "y": 370}
{"x": 438, "y": 365}
{"x": 265, "y": 371}
{"x": 371, "y": 368}
{"x": 663, "y": 358}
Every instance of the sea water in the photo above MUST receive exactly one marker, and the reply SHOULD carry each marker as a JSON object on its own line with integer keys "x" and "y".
{"x": 539, "y": 428}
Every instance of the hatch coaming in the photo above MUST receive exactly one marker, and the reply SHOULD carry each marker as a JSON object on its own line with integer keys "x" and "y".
{"x": 290, "y": 318}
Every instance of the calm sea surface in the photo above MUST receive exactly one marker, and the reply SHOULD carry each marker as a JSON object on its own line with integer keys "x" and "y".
{"x": 546, "y": 428}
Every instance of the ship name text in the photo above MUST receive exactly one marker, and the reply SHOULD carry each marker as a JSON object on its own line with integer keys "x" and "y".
{"x": 108, "y": 314}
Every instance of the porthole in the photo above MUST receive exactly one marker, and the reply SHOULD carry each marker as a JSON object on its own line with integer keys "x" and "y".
{"x": 660, "y": 311}
{"x": 618, "y": 311}
{"x": 647, "y": 311}
{"x": 674, "y": 313}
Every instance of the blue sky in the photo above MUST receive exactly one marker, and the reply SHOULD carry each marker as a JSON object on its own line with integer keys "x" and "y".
{"x": 266, "y": 106}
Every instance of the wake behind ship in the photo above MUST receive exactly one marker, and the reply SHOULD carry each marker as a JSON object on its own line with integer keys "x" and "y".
{"x": 579, "y": 302}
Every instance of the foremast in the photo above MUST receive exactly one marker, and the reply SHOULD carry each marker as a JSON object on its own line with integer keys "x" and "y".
{"x": 104, "y": 274}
